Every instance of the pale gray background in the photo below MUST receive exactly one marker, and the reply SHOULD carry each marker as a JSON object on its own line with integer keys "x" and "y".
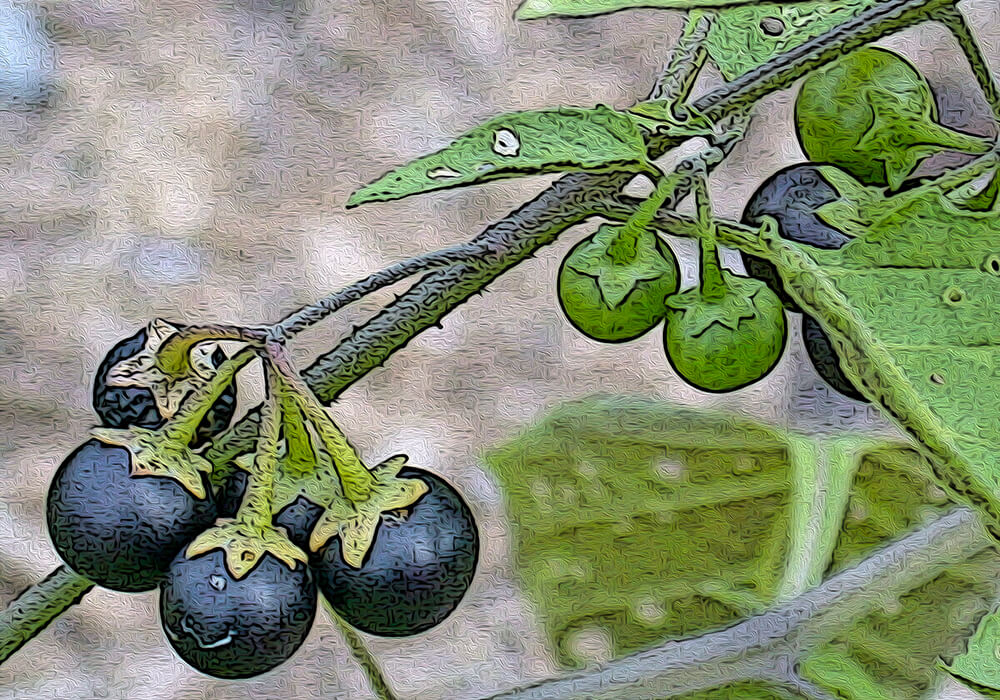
{"x": 191, "y": 161}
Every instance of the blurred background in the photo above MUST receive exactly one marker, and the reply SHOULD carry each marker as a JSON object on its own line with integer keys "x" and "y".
{"x": 190, "y": 160}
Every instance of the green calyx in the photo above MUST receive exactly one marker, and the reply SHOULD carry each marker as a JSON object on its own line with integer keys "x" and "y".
{"x": 612, "y": 287}
{"x": 872, "y": 114}
{"x": 730, "y": 330}
{"x": 303, "y": 453}
{"x": 725, "y": 343}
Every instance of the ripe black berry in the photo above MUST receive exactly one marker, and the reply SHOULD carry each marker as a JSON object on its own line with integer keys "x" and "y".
{"x": 792, "y": 196}
{"x": 120, "y": 407}
{"x": 120, "y": 531}
{"x": 416, "y": 571}
{"x": 236, "y": 628}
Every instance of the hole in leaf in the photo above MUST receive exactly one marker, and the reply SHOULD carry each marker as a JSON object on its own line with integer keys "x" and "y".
{"x": 993, "y": 264}
{"x": 593, "y": 643}
{"x": 772, "y": 26}
{"x": 442, "y": 173}
{"x": 506, "y": 143}
{"x": 953, "y": 295}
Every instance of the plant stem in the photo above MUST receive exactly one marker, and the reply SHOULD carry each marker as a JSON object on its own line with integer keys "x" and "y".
{"x": 37, "y": 606}
{"x": 625, "y": 245}
{"x": 257, "y": 506}
{"x": 713, "y": 285}
{"x": 686, "y": 60}
{"x": 376, "y": 680}
{"x": 356, "y": 479}
{"x": 952, "y": 18}
{"x": 184, "y": 424}
{"x": 313, "y": 313}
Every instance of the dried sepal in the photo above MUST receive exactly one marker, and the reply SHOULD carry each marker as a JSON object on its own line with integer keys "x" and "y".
{"x": 156, "y": 453}
{"x": 244, "y": 545}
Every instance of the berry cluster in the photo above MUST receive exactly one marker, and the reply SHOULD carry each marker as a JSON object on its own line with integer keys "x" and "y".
{"x": 116, "y": 520}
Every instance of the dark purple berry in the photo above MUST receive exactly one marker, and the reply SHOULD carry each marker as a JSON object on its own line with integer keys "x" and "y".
{"x": 120, "y": 407}
{"x": 236, "y": 628}
{"x": 792, "y": 196}
{"x": 117, "y": 530}
{"x": 415, "y": 573}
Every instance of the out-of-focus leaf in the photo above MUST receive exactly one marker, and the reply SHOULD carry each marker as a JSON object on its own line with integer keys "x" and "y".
{"x": 636, "y": 520}
{"x": 892, "y": 653}
{"x": 520, "y": 143}
{"x": 979, "y": 664}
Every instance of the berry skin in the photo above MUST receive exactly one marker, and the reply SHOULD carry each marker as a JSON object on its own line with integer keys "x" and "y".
{"x": 120, "y": 407}
{"x": 824, "y": 359}
{"x": 792, "y": 196}
{"x": 416, "y": 571}
{"x": 719, "y": 347}
{"x": 872, "y": 114}
{"x": 231, "y": 628}
{"x": 120, "y": 531}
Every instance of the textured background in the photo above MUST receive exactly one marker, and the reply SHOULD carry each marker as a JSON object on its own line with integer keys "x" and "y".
{"x": 190, "y": 160}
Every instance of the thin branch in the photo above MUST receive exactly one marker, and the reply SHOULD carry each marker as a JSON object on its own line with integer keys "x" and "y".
{"x": 309, "y": 315}
{"x": 686, "y": 59}
{"x": 757, "y": 646}
{"x": 37, "y": 606}
{"x": 955, "y": 21}
{"x": 373, "y": 672}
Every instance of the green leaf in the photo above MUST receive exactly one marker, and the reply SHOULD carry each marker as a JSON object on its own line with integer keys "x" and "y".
{"x": 984, "y": 690}
{"x": 911, "y": 308}
{"x": 521, "y": 143}
{"x": 738, "y": 43}
{"x": 535, "y": 9}
{"x": 637, "y": 520}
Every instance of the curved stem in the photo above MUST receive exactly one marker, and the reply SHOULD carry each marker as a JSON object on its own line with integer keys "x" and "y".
{"x": 376, "y": 680}
{"x": 755, "y": 647}
{"x": 356, "y": 479}
{"x": 184, "y": 424}
{"x": 305, "y": 317}
{"x": 257, "y": 506}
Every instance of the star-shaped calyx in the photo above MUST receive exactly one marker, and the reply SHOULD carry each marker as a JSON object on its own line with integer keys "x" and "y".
{"x": 159, "y": 453}
{"x": 355, "y": 523}
{"x": 617, "y": 276}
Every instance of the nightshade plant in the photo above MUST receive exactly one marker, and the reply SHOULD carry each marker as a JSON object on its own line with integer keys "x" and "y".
{"x": 905, "y": 294}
